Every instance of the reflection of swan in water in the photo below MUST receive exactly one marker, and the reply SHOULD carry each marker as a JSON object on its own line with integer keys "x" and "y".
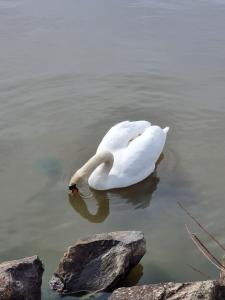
{"x": 139, "y": 195}
{"x": 79, "y": 204}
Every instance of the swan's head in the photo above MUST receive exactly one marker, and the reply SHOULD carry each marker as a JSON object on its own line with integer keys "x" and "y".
{"x": 79, "y": 182}
{"x": 75, "y": 182}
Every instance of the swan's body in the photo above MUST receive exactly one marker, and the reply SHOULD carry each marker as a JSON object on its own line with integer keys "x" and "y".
{"x": 126, "y": 155}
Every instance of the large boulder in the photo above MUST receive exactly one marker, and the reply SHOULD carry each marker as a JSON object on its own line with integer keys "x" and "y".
{"x": 97, "y": 263}
{"x": 21, "y": 279}
{"x": 205, "y": 290}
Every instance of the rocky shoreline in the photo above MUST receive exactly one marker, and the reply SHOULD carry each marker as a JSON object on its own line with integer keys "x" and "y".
{"x": 207, "y": 290}
{"x": 98, "y": 263}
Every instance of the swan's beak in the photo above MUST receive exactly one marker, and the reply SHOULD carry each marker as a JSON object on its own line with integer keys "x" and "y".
{"x": 73, "y": 188}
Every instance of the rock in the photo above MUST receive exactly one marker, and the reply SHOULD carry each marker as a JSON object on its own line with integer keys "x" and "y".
{"x": 222, "y": 273}
{"x": 221, "y": 290}
{"x": 21, "y": 279}
{"x": 98, "y": 262}
{"x": 205, "y": 290}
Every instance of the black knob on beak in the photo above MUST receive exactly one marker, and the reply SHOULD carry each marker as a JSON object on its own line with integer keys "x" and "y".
{"x": 73, "y": 187}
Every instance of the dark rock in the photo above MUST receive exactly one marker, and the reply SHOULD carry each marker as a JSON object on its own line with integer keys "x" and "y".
{"x": 97, "y": 263}
{"x": 205, "y": 290}
{"x": 21, "y": 279}
{"x": 221, "y": 288}
{"x": 222, "y": 273}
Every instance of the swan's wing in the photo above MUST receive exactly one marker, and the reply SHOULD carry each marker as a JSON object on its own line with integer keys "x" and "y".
{"x": 121, "y": 134}
{"x": 137, "y": 160}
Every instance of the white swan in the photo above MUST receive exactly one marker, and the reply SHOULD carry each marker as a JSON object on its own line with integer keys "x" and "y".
{"x": 126, "y": 155}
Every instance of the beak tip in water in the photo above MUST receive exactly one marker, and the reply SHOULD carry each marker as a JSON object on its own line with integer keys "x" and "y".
{"x": 73, "y": 188}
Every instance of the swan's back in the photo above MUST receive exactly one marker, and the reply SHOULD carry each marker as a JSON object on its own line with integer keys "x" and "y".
{"x": 142, "y": 153}
{"x": 119, "y": 136}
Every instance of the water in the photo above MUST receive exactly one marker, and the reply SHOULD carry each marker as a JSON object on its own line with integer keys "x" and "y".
{"x": 72, "y": 69}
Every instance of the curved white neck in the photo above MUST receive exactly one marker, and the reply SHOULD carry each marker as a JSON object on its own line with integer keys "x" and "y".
{"x": 105, "y": 157}
{"x": 82, "y": 175}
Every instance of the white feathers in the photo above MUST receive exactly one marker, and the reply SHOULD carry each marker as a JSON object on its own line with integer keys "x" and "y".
{"x": 136, "y": 147}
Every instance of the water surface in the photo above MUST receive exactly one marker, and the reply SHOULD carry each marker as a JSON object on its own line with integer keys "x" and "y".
{"x": 72, "y": 69}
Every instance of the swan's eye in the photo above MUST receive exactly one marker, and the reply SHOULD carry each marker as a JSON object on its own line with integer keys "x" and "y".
{"x": 73, "y": 187}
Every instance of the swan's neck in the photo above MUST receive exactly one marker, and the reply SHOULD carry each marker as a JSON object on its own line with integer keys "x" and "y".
{"x": 96, "y": 160}
{"x": 82, "y": 175}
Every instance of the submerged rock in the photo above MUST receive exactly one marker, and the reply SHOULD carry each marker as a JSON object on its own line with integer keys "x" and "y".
{"x": 97, "y": 263}
{"x": 21, "y": 279}
{"x": 205, "y": 290}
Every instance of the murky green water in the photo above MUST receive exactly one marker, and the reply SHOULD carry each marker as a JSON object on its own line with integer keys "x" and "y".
{"x": 69, "y": 70}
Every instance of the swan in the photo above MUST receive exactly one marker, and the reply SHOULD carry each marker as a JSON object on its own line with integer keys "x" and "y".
{"x": 126, "y": 155}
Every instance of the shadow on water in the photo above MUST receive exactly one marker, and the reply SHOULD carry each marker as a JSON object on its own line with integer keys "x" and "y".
{"x": 133, "y": 277}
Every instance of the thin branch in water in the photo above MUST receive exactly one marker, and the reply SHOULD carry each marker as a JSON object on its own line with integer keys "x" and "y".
{"x": 197, "y": 222}
{"x": 205, "y": 251}
{"x": 199, "y": 271}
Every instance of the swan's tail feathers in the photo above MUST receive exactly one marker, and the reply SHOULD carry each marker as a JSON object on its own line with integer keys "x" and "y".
{"x": 166, "y": 129}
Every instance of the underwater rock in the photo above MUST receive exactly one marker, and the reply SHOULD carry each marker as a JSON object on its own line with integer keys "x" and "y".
{"x": 205, "y": 290}
{"x": 97, "y": 263}
{"x": 21, "y": 279}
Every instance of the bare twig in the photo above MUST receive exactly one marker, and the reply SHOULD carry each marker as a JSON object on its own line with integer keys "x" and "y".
{"x": 205, "y": 251}
{"x": 197, "y": 222}
{"x": 198, "y": 271}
